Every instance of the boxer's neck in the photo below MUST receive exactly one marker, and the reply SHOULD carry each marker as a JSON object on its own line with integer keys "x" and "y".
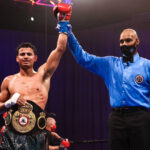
{"x": 27, "y": 72}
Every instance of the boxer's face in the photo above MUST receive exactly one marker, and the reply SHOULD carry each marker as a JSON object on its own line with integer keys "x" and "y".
{"x": 26, "y": 58}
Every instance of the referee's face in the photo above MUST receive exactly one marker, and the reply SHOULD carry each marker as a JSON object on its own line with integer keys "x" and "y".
{"x": 129, "y": 38}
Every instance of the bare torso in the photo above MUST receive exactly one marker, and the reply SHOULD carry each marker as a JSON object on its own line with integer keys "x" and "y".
{"x": 30, "y": 87}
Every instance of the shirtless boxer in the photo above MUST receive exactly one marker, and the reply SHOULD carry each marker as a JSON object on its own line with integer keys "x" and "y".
{"x": 25, "y": 94}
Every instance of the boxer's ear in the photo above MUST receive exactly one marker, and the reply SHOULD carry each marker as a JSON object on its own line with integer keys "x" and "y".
{"x": 17, "y": 58}
{"x": 35, "y": 58}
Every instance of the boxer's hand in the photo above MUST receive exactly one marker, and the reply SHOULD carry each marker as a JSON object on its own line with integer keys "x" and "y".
{"x": 62, "y": 12}
{"x": 21, "y": 101}
{"x": 12, "y": 101}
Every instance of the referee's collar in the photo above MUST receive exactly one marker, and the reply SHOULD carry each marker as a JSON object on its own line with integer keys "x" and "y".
{"x": 136, "y": 57}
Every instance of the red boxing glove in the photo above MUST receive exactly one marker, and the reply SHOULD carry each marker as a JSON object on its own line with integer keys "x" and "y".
{"x": 64, "y": 8}
{"x": 53, "y": 128}
{"x": 65, "y": 143}
{"x": 62, "y": 11}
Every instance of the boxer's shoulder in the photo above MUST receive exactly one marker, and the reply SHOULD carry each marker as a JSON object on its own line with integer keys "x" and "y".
{"x": 11, "y": 80}
{"x": 7, "y": 79}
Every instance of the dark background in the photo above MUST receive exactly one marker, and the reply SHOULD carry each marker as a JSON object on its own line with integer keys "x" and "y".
{"x": 86, "y": 14}
{"x": 79, "y": 98}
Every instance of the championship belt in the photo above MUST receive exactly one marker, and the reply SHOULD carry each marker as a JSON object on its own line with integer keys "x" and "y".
{"x": 41, "y": 121}
{"x": 24, "y": 120}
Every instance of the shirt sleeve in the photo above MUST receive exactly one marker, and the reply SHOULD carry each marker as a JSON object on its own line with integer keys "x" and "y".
{"x": 98, "y": 65}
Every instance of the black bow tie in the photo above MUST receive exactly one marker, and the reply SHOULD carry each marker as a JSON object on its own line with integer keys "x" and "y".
{"x": 127, "y": 59}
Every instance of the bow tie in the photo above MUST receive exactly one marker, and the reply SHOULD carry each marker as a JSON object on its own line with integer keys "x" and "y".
{"x": 127, "y": 59}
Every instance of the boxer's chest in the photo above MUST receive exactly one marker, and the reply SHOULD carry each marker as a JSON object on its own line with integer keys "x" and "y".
{"x": 25, "y": 85}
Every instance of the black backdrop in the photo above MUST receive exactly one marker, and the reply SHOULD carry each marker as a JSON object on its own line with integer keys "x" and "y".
{"x": 79, "y": 98}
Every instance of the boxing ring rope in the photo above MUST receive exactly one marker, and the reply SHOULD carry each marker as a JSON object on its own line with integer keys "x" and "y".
{"x": 89, "y": 141}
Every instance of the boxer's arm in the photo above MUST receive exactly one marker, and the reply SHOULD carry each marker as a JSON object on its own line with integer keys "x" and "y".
{"x": 5, "y": 100}
{"x": 4, "y": 94}
{"x": 63, "y": 14}
{"x": 54, "y": 58}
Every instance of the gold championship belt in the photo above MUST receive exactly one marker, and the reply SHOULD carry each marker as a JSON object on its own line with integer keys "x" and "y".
{"x": 41, "y": 121}
{"x": 24, "y": 120}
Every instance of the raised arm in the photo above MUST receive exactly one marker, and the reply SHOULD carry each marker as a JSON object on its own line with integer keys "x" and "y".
{"x": 54, "y": 58}
{"x": 63, "y": 13}
{"x": 95, "y": 64}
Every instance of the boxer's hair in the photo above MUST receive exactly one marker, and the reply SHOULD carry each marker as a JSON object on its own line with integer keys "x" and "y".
{"x": 26, "y": 45}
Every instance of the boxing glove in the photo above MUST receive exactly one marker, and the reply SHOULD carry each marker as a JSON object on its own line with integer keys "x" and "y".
{"x": 62, "y": 12}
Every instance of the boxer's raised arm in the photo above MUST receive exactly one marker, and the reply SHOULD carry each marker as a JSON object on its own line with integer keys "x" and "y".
{"x": 63, "y": 13}
{"x": 54, "y": 58}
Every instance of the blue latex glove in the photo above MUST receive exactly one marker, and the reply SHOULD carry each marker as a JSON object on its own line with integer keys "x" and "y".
{"x": 64, "y": 27}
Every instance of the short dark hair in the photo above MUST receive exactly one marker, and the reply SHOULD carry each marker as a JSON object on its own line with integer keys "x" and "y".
{"x": 26, "y": 45}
